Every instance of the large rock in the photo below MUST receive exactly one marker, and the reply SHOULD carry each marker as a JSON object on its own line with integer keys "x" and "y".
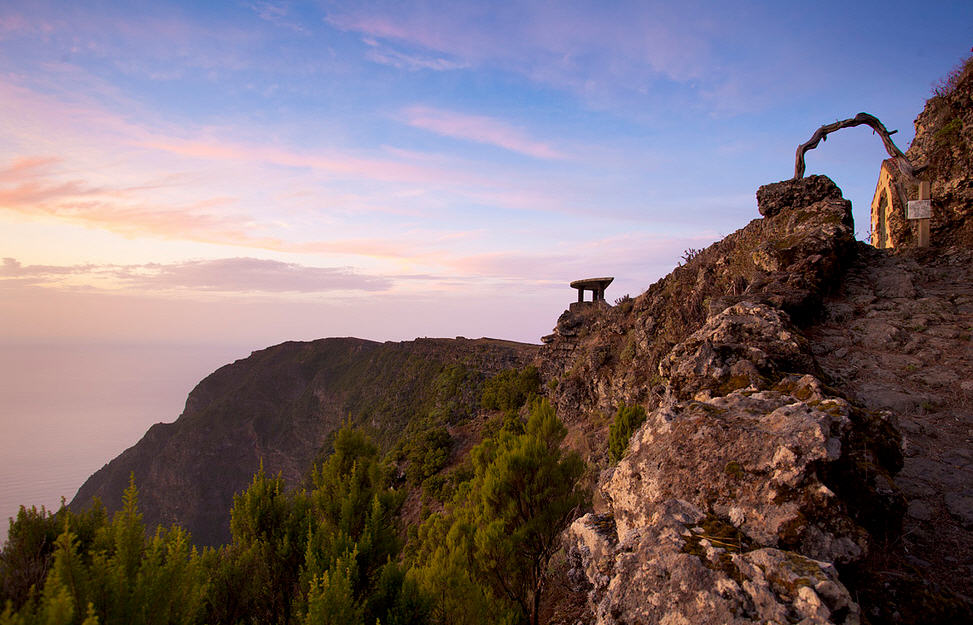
{"x": 735, "y": 510}
{"x": 747, "y": 344}
{"x": 796, "y": 193}
{"x": 675, "y": 570}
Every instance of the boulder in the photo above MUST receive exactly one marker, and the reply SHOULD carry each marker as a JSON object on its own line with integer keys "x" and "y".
{"x": 747, "y": 344}
{"x": 796, "y": 193}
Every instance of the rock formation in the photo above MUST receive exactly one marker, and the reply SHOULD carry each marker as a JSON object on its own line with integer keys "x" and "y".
{"x": 751, "y": 480}
{"x": 806, "y": 456}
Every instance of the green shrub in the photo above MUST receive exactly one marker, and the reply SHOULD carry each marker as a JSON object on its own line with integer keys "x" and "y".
{"x": 627, "y": 420}
{"x": 427, "y": 452}
{"x": 511, "y": 388}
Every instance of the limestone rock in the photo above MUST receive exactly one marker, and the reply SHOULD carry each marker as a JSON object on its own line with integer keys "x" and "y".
{"x": 734, "y": 509}
{"x": 751, "y": 458}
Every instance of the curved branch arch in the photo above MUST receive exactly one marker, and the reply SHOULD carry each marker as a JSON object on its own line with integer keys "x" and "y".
{"x": 821, "y": 134}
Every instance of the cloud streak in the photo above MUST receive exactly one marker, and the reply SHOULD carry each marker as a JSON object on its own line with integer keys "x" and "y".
{"x": 570, "y": 46}
{"x": 479, "y": 129}
{"x": 226, "y": 275}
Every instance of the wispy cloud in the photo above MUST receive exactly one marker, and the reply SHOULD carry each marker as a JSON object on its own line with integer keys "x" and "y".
{"x": 117, "y": 209}
{"x": 227, "y": 275}
{"x": 342, "y": 164}
{"x": 413, "y": 62}
{"x": 278, "y": 13}
{"x": 479, "y": 129}
{"x": 569, "y": 46}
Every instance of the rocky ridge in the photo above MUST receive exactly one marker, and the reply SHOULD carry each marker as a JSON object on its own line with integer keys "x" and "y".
{"x": 806, "y": 452}
{"x": 278, "y": 408}
{"x": 751, "y": 481}
{"x": 600, "y": 357}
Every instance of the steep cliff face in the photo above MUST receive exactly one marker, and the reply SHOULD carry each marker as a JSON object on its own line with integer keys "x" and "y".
{"x": 278, "y": 407}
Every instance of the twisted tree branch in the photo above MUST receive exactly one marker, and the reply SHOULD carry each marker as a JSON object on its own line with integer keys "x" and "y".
{"x": 821, "y": 134}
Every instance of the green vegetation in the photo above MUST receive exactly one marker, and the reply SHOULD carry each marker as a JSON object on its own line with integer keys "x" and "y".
{"x": 427, "y": 453}
{"x": 486, "y": 557}
{"x": 510, "y": 389}
{"x": 627, "y": 420}
{"x": 329, "y": 553}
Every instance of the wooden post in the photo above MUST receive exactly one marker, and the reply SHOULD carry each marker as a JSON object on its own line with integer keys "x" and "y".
{"x": 924, "y": 223}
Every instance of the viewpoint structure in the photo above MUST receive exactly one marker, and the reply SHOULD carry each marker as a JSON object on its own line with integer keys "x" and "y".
{"x": 597, "y": 287}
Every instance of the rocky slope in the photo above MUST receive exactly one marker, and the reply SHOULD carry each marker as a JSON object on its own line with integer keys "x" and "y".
{"x": 278, "y": 407}
{"x": 600, "y": 357}
{"x": 806, "y": 456}
{"x": 751, "y": 481}
{"x": 769, "y": 482}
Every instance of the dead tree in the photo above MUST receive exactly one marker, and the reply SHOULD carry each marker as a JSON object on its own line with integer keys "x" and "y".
{"x": 821, "y": 134}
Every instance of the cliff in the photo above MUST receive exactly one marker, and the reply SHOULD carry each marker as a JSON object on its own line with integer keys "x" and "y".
{"x": 279, "y": 407}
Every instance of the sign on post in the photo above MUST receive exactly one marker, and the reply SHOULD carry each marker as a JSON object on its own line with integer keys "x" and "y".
{"x": 921, "y": 211}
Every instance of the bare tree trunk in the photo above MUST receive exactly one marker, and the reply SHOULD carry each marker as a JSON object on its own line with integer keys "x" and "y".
{"x": 821, "y": 134}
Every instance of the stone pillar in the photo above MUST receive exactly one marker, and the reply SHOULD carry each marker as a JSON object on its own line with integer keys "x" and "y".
{"x": 580, "y": 295}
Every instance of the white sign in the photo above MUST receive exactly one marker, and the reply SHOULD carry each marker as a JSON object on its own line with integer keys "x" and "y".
{"x": 919, "y": 209}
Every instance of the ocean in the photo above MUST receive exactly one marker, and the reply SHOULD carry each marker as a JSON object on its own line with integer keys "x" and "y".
{"x": 66, "y": 410}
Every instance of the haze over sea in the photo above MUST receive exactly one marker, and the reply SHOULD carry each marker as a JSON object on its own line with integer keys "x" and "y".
{"x": 69, "y": 409}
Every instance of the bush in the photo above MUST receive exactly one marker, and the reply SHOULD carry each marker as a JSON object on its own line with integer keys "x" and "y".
{"x": 511, "y": 388}
{"x": 627, "y": 420}
{"x": 427, "y": 453}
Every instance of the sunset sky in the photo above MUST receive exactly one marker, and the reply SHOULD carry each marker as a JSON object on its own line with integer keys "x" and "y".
{"x": 250, "y": 172}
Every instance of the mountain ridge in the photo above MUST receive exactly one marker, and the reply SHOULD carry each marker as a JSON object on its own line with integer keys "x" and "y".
{"x": 278, "y": 407}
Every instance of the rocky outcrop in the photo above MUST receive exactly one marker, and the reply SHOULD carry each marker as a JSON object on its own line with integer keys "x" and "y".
{"x": 600, "y": 357}
{"x": 773, "y": 198}
{"x": 682, "y": 569}
{"x": 756, "y": 491}
{"x": 737, "y": 505}
{"x": 278, "y": 407}
{"x": 745, "y": 345}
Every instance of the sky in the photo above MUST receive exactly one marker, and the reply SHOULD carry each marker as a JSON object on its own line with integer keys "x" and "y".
{"x": 252, "y": 172}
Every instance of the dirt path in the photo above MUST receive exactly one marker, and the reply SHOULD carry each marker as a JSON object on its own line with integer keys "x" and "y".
{"x": 897, "y": 337}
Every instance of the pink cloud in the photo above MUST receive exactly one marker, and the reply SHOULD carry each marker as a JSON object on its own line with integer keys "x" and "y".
{"x": 479, "y": 129}
{"x": 567, "y": 45}
{"x": 341, "y": 164}
{"x": 26, "y": 167}
{"x": 211, "y": 220}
